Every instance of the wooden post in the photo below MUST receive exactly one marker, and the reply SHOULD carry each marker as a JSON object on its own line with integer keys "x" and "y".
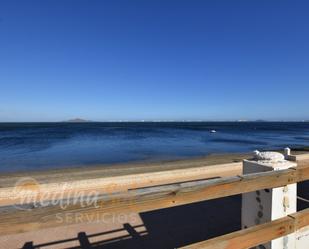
{"x": 269, "y": 204}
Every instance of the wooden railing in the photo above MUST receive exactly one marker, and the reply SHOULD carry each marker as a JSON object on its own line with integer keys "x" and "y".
{"x": 257, "y": 235}
{"x": 145, "y": 195}
{"x": 121, "y": 183}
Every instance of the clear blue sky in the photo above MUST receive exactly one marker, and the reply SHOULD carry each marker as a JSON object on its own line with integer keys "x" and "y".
{"x": 107, "y": 60}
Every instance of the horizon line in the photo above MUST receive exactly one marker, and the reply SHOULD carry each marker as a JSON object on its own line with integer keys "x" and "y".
{"x": 159, "y": 121}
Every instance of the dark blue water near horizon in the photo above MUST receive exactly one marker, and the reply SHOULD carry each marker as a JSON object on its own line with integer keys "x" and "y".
{"x": 41, "y": 146}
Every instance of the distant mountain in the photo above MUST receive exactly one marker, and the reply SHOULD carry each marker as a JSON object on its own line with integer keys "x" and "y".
{"x": 260, "y": 120}
{"x": 77, "y": 120}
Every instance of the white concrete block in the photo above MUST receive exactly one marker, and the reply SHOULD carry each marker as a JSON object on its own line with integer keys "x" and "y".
{"x": 269, "y": 204}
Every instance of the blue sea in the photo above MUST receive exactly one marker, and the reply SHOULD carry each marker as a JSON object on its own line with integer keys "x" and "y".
{"x": 41, "y": 146}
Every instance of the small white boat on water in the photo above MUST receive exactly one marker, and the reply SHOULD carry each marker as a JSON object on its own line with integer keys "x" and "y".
{"x": 213, "y": 131}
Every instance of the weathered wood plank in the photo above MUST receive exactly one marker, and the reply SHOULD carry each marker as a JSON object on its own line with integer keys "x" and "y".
{"x": 123, "y": 183}
{"x": 141, "y": 200}
{"x": 8, "y": 195}
{"x": 302, "y": 157}
{"x": 256, "y": 235}
{"x": 249, "y": 237}
{"x": 303, "y": 172}
{"x": 301, "y": 218}
{"x": 146, "y": 199}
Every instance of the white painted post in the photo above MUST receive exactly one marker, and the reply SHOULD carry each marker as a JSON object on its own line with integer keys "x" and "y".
{"x": 302, "y": 238}
{"x": 269, "y": 204}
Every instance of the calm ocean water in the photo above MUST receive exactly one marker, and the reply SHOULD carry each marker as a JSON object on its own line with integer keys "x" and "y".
{"x": 39, "y": 146}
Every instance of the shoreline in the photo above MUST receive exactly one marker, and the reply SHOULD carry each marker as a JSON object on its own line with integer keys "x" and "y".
{"x": 120, "y": 169}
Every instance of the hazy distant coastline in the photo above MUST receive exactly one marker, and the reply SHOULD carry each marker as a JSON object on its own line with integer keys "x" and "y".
{"x": 77, "y": 120}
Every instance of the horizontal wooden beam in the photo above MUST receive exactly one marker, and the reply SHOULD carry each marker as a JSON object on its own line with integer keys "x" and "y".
{"x": 146, "y": 199}
{"x": 9, "y": 195}
{"x": 103, "y": 185}
{"x": 257, "y": 235}
{"x": 302, "y": 157}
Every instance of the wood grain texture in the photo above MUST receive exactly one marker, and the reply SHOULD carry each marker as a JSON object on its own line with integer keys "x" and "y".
{"x": 301, "y": 218}
{"x": 125, "y": 182}
{"x": 141, "y": 200}
{"x": 144, "y": 199}
{"x": 249, "y": 237}
{"x": 257, "y": 235}
{"x": 8, "y": 195}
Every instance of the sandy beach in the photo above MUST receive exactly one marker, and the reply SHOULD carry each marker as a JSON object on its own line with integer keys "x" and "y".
{"x": 98, "y": 171}
{"x": 108, "y": 170}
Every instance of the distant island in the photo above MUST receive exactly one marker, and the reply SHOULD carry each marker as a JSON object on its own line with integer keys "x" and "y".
{"x": 77, "y": 120}
{"x": 258, "y": 120}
